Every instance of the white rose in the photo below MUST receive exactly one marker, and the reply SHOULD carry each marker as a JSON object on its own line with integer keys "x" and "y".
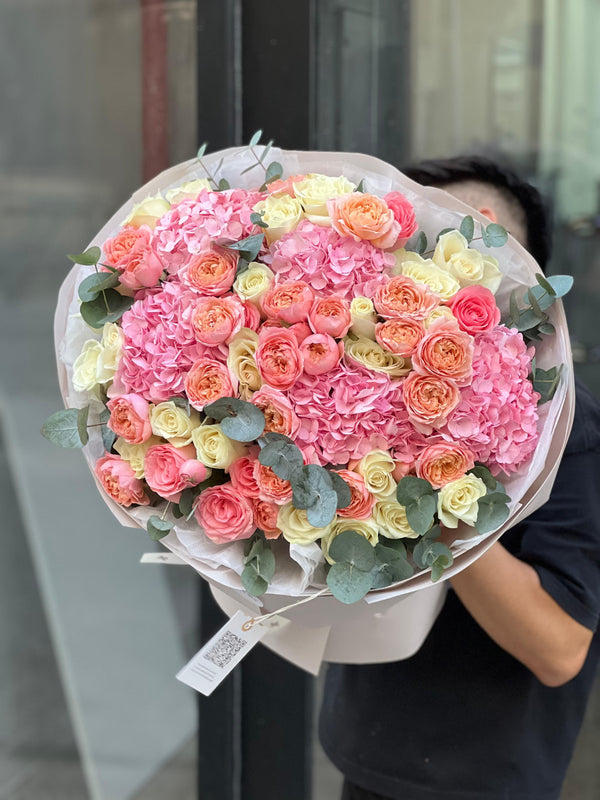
{"x": 135, "y": 454}
{"x": 241, "y": 361}
{"x": 440, "y": 281}
{"x": 85, "y": 368}
{"x": 214, "y": 449}
{"x": 254, "y": 282}
{"x": 377, "y": 468}
{"x": 314, "y": 192}
{"x": 281, "y": 213}
{"x": 390, "y": 518}
{"x": 364, "y": 317}
{"x": 187, "y": 191}
{"x": 371, "y": 355}
{"x": 111, "y": 344}
{"x": 466, "y": 264}
{"x": 296, "y": 528}
{"x": 459, "y": 501}
{"x": 148, "y": 212}
{"x": 173, "y": 423}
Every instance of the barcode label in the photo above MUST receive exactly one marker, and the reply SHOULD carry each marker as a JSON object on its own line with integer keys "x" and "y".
{"x": 224, "y": 651}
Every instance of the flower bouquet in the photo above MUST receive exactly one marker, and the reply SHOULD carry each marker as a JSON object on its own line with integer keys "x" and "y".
{"x": 310, "y": 377}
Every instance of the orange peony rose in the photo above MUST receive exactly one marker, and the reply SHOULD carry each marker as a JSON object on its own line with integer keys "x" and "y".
{"x": 400, "y": 335}
{"x": 443, "y": 463}
{"x": 364, "y": 216}
{"x": 207, "y": 381}
{"x": 429, "y": 400}
{"x": 446, "y": 352}
{"x": 402, "y": 296}
{"x": 212, "y": 271}
{"x": 272, "y": 489}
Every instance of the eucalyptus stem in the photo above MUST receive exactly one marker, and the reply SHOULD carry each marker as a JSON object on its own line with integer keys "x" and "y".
{"x": 210, "y": 177}
{"x": 167, "y": 507}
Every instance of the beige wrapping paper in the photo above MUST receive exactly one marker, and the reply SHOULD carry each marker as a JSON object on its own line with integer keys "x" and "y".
{"x": 392, "y": 623}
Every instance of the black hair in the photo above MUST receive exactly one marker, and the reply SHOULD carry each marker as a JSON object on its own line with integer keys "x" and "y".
{"x": 443, "y": 171}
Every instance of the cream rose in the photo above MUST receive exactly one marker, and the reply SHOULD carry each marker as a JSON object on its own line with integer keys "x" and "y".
{"x": 254, "y": 282}
{"x": 377, "y": 468}
{"x": 314, "y": 192}
{"x": 364, "y": 527}
{"x": 459, "y": 501}
{"x": 364, "y": 317}
{"x": 281, "y": 213}
{"x": 85, "y": 368}
{"x": 372, "y": 356}
{"x": 466, "y": 264}
{"x": 241, "y": 360}
{"x": 214, "y": 449}
{"x": 173, "y": 423}
{"x": 441, "y": 312}
{"x": 148, "y": 212}
{"x": 187, "y": 191}
{"x": 135, "y": 454}
{"x": 438, "y": 280}
{"x": 108, "y": 361}
{"x": 296, "y": 528}
{"x": 390, "y": 518}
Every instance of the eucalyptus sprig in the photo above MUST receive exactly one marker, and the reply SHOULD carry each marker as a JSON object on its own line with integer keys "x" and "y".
{"x": 259, "y": 565}
{"x": 528, "y": 314}
{"x": 273, "y": 171}
{"x": 100, "y": 303}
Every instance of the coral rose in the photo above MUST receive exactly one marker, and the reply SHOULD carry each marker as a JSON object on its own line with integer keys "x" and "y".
{"x": 445, "y": 352}
{"x": 280, "y": 417}
{"x": 118, "y": 249}
{"x": 141, "y": 269}
{"x": 119, "y": 482}
{"x": 330, "y": 315}
{"x": 400, "y": 335}
{"x": 429, "y": 400}
{"x": 321, "y": 353}
{"x": 362, "y": 502}
{"x": 207, "y": 381}
{"x": 404, "y": 214}
{"x": 278, "y": 358}
{"x": 289, "y": 301}
{"x": 265, "y": 518}
{"x": 443, "y": 463}
{"x": 364, "y": 216}
{"x": 225, "y": 515}
{"x": 211, "y": 271}
{"x": 243, "y": 478}
{"x": 475, "y": 309}
{"x": 169, "y": 470}
{"x": 129, "y": 418}
{"x": 271, "y": 488}
{"x": 402, "y": 296}
{"x": 216, "y": 320}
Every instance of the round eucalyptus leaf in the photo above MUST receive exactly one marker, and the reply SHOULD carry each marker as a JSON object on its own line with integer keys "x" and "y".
{"x": 493, "y": 512}
{"x": 562, "y": 284}
{"x": 420, "y": 513}
{"x": 412, "y": 488}
{"x": 467, "y": 228}
{"x": 486, "y": 476}
{"x": 62, "y": 428}
{"x": 82, "y": 418}
{"x": 264, "y": 564}
{"x": 158, "y": 528}
{"x": 92, "y": 286}
{"x": 323, "y": 511}
{"x": 341, "y": 488}
{"x": 95, "y": 312}
{"x": 252, "y": 582}
{"x": 283, "y": 457}
{"x": 88, "y": 258}
{"x": 347, "y": 583}
{"x": 246, "y": 426}
{"x": 352, "y": 548}
{"x": 494, "y": 235}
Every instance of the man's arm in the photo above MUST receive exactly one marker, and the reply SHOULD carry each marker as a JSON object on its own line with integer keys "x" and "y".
{"x": 505, "y": 596}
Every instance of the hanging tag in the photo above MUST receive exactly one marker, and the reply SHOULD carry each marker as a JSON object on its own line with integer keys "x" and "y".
{"x": 161, "y": 558}
{"x": 211, "y": 665}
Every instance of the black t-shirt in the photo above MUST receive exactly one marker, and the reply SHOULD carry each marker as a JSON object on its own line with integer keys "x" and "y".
{"x": 462, "y": 719}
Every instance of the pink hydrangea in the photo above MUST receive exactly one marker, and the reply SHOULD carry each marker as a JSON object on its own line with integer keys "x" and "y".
{"x": 350, "y": 411}
{"x": 160, "y": 345}
{"x": 191, "y": 225}
{"x": 329, "y": 262}
{"x": 497, "y": 416}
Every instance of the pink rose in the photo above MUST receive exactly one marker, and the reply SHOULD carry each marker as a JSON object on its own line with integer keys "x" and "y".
{"x": 169, "y": 470}
{"x": 271, "y": 488}
{"x": 402, "y": 469}
{"x": 429, "y": 400}
{"x": 119, "y": 482}
{"x": 404, "y": 214}
{"x": 211, "y": 271}
{"x": 443, "y": 463}
{"x": 401, "y": 296}
{"x": 445, "y": 352}
{"x": 321, "y": 353}
{"x": 118, "y": 249}
{"x": 142, "y": 268}
{"x": 364, "y": 216}
{"x": 475, "y": 309}
{"x": 279, "y": 414}
{"x": 278, "y": 358}
{"x": 400, "y": 335}
{"x": 207, "y": 381}
{"x": 330, "y": 315}
{"x": 362, "y": 502}
{"x": 289, "y": 301}
{"x": 251, "y": 316}
{"x": 300, "y": 330}
{"x": 129, "y": 418}
{"x": 216, "y": 320}
{"x": 242, "y": 476}
{"x": 284, "y": 186}
{"x": 265, "y": 518}
{"x": 224, "y": 515}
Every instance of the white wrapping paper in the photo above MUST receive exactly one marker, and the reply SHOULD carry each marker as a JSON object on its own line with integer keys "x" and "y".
{"x": 361, "y": 632}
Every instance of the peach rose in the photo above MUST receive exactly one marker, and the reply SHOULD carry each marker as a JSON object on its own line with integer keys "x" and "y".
{"x": 289, "y": 301}
{"x": 321, "y": 353}
{"x": 130, "y": 418}
{"x": 475, "y": 309}
{"x": 364, "y": 216}
{"x": 446, "y": 352}
{"x": 251, "y": 315}
{"x": 404, "y": 214}
{"x": 169, "y": 470}
{"x": 300, "y": 330}
{"x": 271, "y": 488}
{"x": 265, "y": 518}
{"x": 330, "y": 315}
{"x": 224, "y": 515}
{"x": 278, "y": 358}
{"x": 207, "y": 381}
{"x": 402, "y": 296}
{"x": 242, "y": 476}
{"x": 212, "y": 271}
{"x": 286, "y": 186}
{"x": 216, "y": 320}
{"x": 400, "y": 335}
{"x": 362, "y": 502}
{"x": 279, "y": 414}
{"x": 117, "y": 249}
{"x": 402, "y": 469}
{"x": 141, "y": 268}
{"x": 119, "y": 482}
{"x": 429, "y": 400}
{"x": 443, "y": 463}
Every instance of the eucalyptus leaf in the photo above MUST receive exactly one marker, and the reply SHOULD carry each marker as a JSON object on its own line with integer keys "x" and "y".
{"x": 546, "y": 285}
{"x": 441, "y": 563}
{"x": 514, "y": 308}
{"x": 546, "y": 382}
{"x": 391, "y": 565}
{"x": 562, "y": 284}
{"x": 92, "y": 286}
{"x": 264, "y": 564}
{"x": 494, "y": 235}
{"x": 246, "y": 426}
{"x": 255, "y": 138}
{"x": 62, "y": 428}
{"x": 82, "y": 419}
{"x": 480, "y": 471}
{"x": 158, "y": 528}
{"x": 186, "y": 502}
{"x": 534, "y": 303}
{"x": 257, "y": 219}
{"x": 341, "y": 488}
{"x": 284, "y": 458}
{"x": 411, "y": 488}
{"x": 266, "y": 151}
{"x": 361, "y": 186}
{"x": 223, "y": 185}
{"x": 252, "y": 581}
{"x": 249, "y": 247}
{"x": 253, "y": 547}
{"x": 493, "y": 512}
{"x": 323, "y": 510}
{"x": 420, "y": 245}
{"x": 201, "y": 150}
{"x": 95, "y": 314}
{"x": 347, "y": 583}
{"x": 274, "y": 172}
{"x": 547, "y": 328}
{"x": 352, "y": 548}
{"x": 527, "y": 320}
{"x": 89, "y": 258}
{"x": 109, "y": 437}
{"x": 427, "y": 552}
{"x": 420, "y": 513}
{"x": 467, "y": 228}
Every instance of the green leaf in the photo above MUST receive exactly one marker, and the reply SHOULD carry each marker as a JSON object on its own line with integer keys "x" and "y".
{"x": 420, "y": 513}
{"x": 89, "y": 258}
{"x": 264, "y": 564}
{"x": 272, "y": 436}
{"x": 494, "y": 235}
{"x": 108, "y": 436}
{"x": 467, "y": 228}
{"x": 266, "y": 151}
{"x": 82, "y": 418}
{"x": 240, "y": 420}
{"x": 427, "y": 552}
{"x": 420, "y": 245}
{"x": 186, "y": 502}
{"x": 223, "y": 185}
{"x": 391, "y": 566}
{"x": 255, "y": 138}
{"x": 341, "y": 488}
{"x": 92, "y": 286}
{"x": 411, "y": 488}
{"x": 546, "y": 382}
{"x": 201, "y": 150}
{"x": 493, "y": 512}
{"x": 546, "y": 285}
{"x": 486, "y": 476}
{"x": 62, "y": 428}
{"x": 323, "y": 509}
{"x": 347, "y": 583}
{"x": 284, "y": 458}
{"x": 442, "y": 562}
{"x": 95, "y": 314}
{"x": 352, "y": 548}
{"x": 361, "y": 186}
{"x": 562, "y": 284}
{"x": 252, "y": 581}
{"x": 442, "y": 232}
{"x": 253, "y": 546}
{"x": 534, "y": 304}
{"x": 273, "y": 173}
{"x": 547, "y": 328}
{"x": 176, "y": 511}
{"x": 257, "y": 219}
{"x": 158, "y": 528}
{"x": 248, "y": 248}
{"x": 514, "y": 308}
{"x": 527, "y": 320}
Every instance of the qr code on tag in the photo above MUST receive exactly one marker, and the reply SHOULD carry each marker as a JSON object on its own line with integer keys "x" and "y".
{"x": 226, "y": 648}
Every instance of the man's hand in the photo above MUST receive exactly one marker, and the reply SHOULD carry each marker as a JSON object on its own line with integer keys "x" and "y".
{"x": 505, "y": 596}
